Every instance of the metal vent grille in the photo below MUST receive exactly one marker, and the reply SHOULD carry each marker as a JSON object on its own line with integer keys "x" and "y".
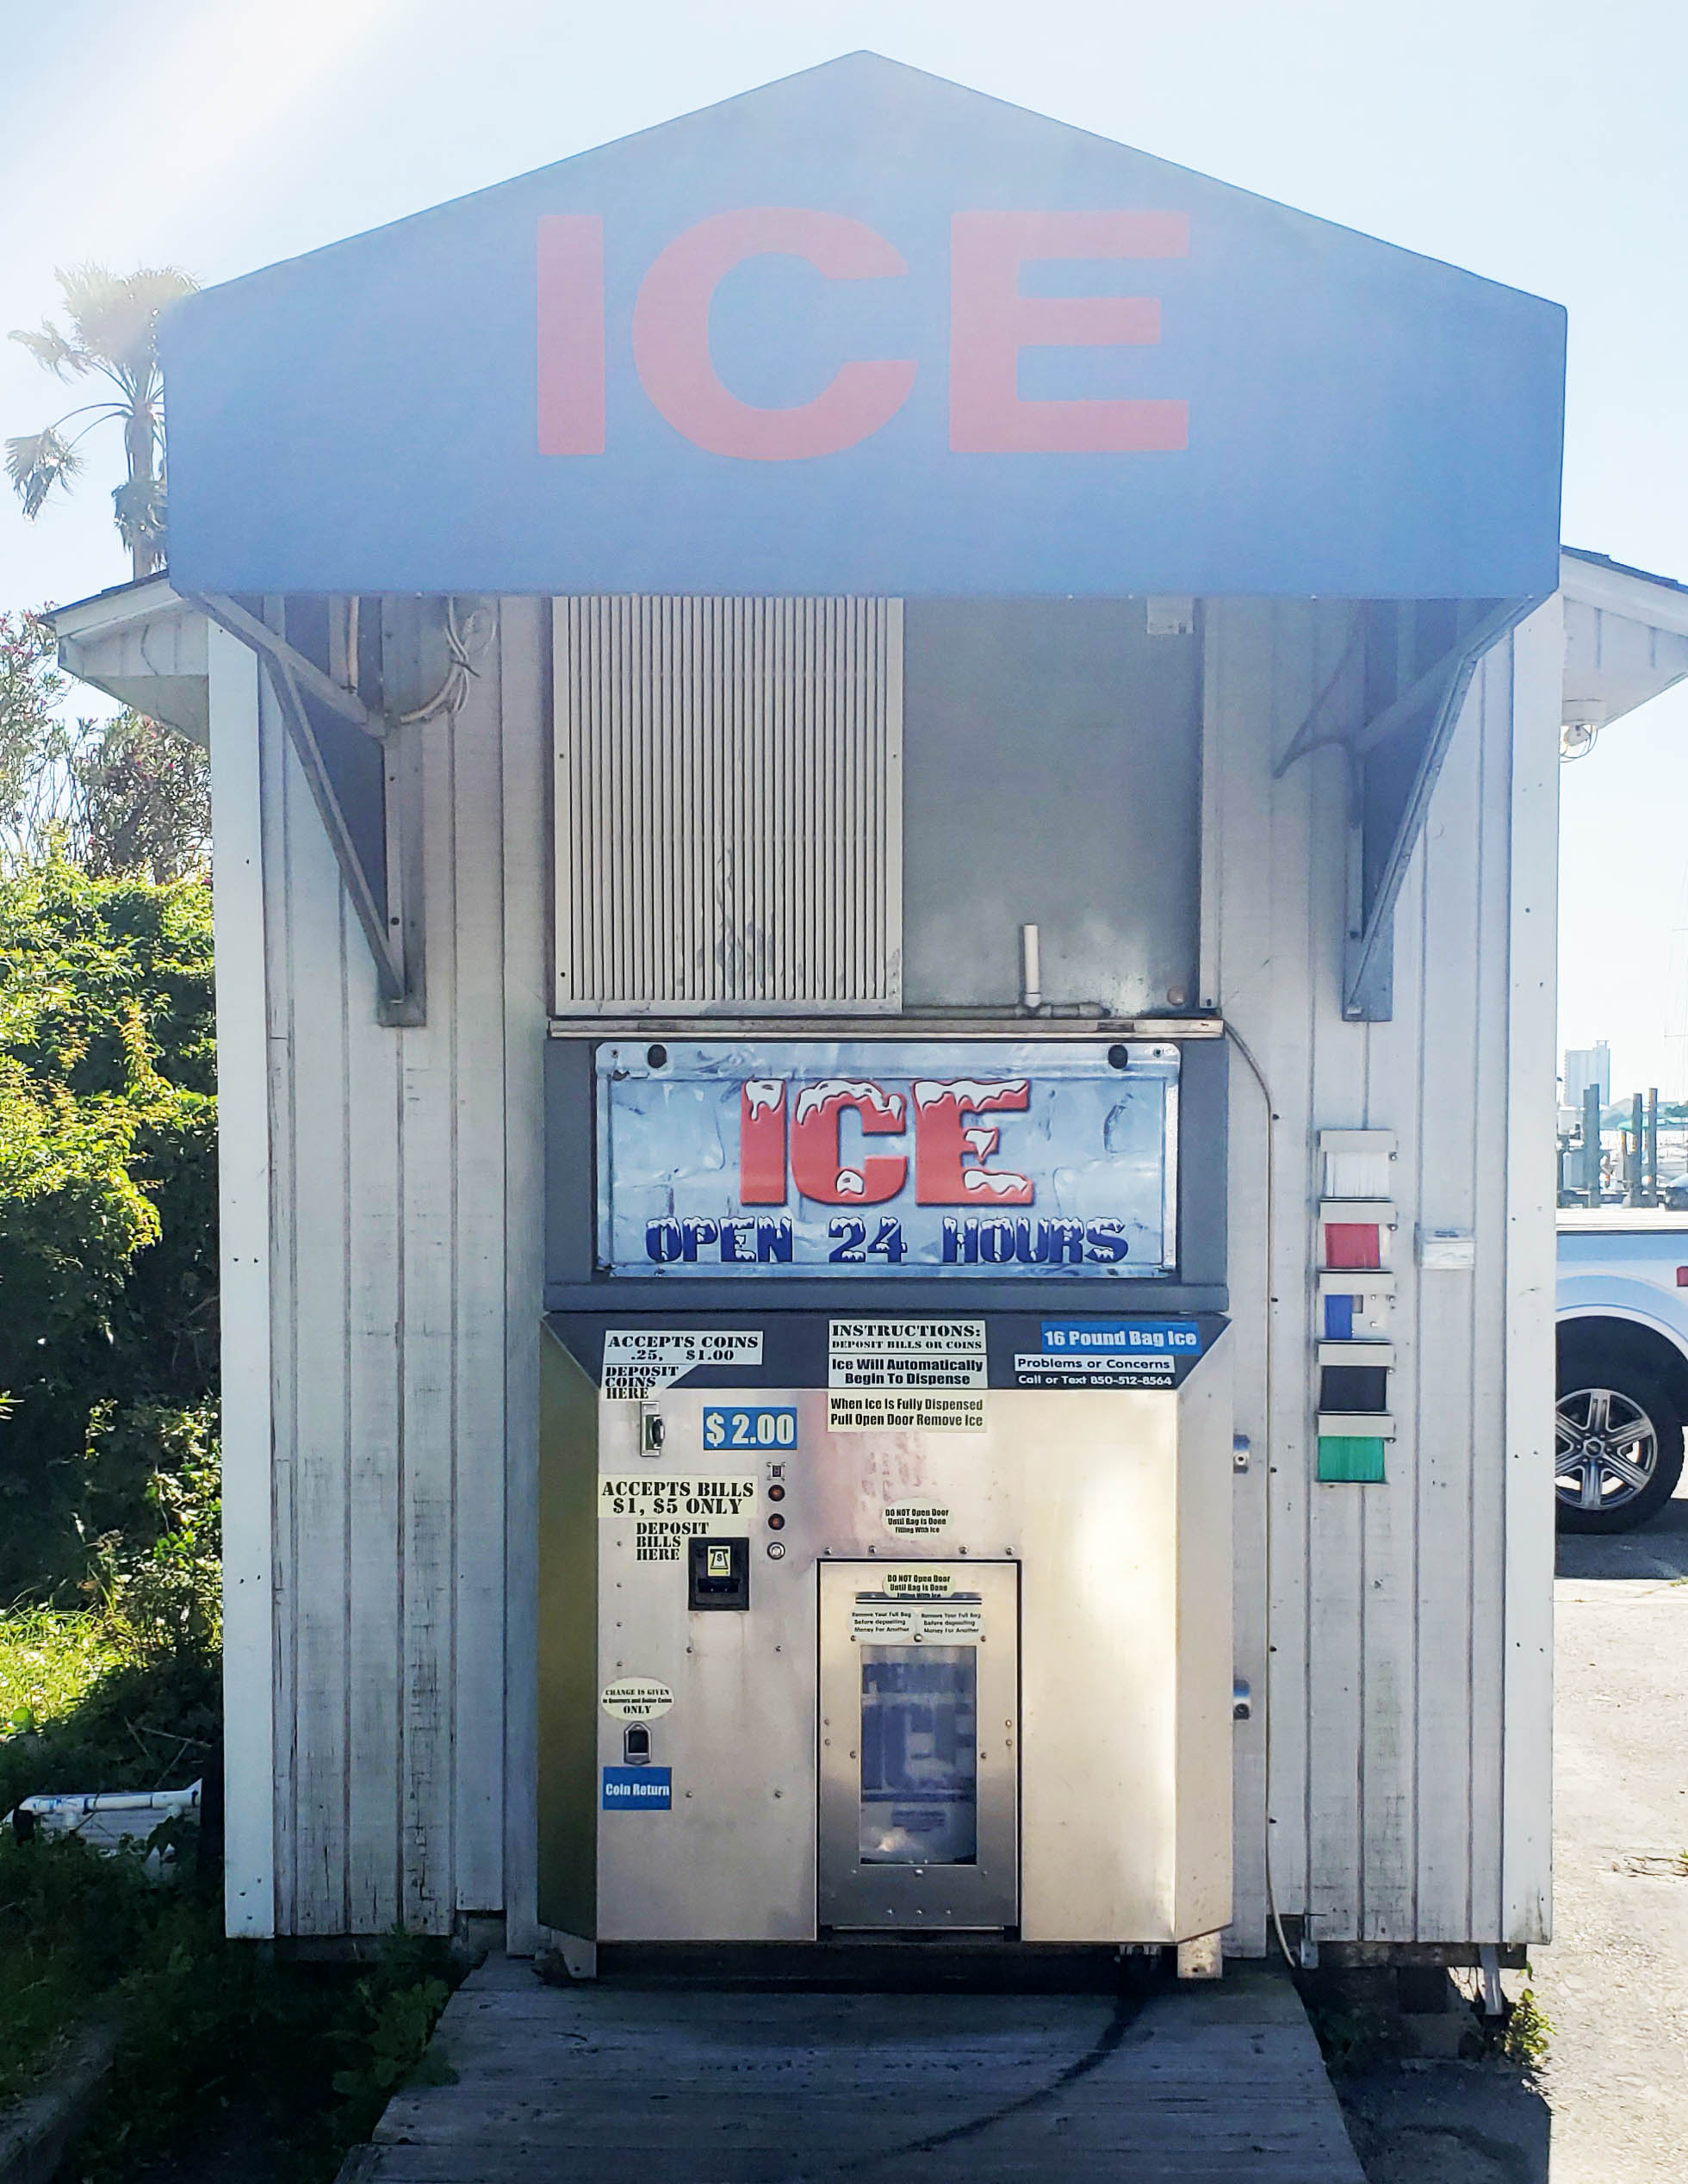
{"x": 729, "y": 805}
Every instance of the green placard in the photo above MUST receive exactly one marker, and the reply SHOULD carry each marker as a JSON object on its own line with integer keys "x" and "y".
{"x": 1356, "y": 1459}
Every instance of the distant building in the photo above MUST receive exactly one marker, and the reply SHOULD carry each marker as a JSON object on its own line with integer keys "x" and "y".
{"x": 1585, "y": 1066}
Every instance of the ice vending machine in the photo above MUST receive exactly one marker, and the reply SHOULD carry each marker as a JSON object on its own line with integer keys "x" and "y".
{"x": 885, "y": 1525}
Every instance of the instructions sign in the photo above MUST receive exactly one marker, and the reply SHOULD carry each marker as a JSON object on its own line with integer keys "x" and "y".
{"x": 635, "y": 1698}
{"x": 667, "y": 1512}
{"x": 942, "y": 1622}
{"x": 905, "y": 1413}
{"x": 906, "y": 1353}
{"x": 635, "y": 1789}
{"x": 637, "y": 1360}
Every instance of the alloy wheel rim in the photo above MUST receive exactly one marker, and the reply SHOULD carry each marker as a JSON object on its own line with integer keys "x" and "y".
{"x": 1606, "y": 1448}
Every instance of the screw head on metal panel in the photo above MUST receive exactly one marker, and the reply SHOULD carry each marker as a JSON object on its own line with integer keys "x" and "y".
{"x": 1241, "y": 1449}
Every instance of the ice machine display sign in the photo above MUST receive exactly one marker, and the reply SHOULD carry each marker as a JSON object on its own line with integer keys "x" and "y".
{"x": 967, "y": 1159}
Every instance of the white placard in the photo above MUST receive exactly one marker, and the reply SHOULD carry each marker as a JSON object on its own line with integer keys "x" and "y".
{"x": 635, "y": 1698}
{"x": 922, "y": 1580}
{"x": 916, "y": 1520}
{"x": 637, "y": 1360}
{"x": 906, "y": 1353}
{"x": 951, "y": 1622}
{"x": 664, "y": 1513}
{"x": 883, "y": 1621}
{"x": 927, "y": 1412}
{"x": 909, "y": 1622}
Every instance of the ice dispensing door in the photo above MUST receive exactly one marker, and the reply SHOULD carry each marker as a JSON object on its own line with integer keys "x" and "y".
{"x": 919, "y": 1744}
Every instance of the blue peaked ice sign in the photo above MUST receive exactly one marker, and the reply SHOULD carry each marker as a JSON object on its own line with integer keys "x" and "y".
{"x": 863, "y": 330}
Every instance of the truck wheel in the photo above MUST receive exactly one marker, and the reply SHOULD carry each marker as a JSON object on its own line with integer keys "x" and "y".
{"x": 1618, "y": 1451}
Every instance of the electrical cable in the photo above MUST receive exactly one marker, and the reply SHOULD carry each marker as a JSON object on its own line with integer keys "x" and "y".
{"x": 463, "y": 645}
{"x": 1259, "y": 1077}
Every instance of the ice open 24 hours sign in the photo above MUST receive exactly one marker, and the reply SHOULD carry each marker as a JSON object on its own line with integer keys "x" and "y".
{"x": 1003, "y": 1158}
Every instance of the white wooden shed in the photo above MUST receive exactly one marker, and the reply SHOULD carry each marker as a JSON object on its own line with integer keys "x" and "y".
{"x": 395, "y": 898}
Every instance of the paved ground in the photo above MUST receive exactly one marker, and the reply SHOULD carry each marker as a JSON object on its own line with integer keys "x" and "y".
{"x": 1211, "y": 2085}
{"x": 1615, "y": 1983}
{"x": 1612, "y": 2104}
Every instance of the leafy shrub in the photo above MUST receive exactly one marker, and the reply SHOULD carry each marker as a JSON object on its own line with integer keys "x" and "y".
{"x": 108, "y": 1206}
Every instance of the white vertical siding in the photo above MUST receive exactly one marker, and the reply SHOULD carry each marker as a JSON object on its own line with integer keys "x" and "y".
{"x": 391, "y": 1217}
{"x": 1527, "y": 1514}
{"x": 1409, "y": 1689}
{"x": 404, "y": 1273}
{"x": 244, "y": 1199}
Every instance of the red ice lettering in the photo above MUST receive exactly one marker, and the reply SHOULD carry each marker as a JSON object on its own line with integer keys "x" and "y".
{"x": 671, "y": 336}
{"x": 817, "y": 1165}
{"x": 762, "y": 1142}
{"x": 990, "y": 322}
{"x": 946, "y": 1140}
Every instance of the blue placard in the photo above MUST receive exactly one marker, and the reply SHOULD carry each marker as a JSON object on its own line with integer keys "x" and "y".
{"x": 750, "y": 1426}
{"x": 637, "y": 1790}
{"x": 863, "y": 330}
{"x": 1124, "y": 1338}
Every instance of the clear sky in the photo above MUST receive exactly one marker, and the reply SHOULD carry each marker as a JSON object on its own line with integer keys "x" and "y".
{"x": 1540, "y": 142}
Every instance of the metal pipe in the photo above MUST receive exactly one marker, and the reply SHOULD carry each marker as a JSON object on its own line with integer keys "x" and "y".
{"x": 1031, "y": 983}
{"x": 1650, "y": 1195}
{"x": 1634, "y": 1166}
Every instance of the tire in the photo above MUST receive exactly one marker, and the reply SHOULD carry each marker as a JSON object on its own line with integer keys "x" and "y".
{"x": 1607, "y": 1398}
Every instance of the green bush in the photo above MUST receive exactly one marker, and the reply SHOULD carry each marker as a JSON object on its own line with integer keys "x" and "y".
{"x": 107, "y": 1209}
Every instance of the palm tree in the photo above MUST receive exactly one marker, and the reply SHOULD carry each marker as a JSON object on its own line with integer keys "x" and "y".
{"x": 114, "y": 335}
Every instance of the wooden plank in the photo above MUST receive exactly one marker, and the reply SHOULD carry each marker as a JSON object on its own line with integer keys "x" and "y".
{"x": 280, "y": 773}
{"x": 316, "y": 1450}
{"x": 1262, "y": 949}
{"x": 479, "y": 1284}
{"x": 1387, "y": 1602}
{"x": 1207, "y": 2087}
{"x": 427, "y": 1414}
{"x": 373, "y": 1593}
{"x": 1225, "y": 876}
{"x": 1527, "y": 1781}
{"x": 1335, "y": 1099}
{"x": 529, "y": 918}
{"x": 1487, "y": 1506}
{"x": 1457, "y": 916}
{"x": 242, "y": 1184}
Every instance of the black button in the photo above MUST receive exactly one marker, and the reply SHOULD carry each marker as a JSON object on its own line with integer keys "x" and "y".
{"x": 776, "y": 1523}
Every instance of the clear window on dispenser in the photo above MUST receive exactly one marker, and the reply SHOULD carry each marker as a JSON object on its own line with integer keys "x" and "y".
{"x": 919, "y": 1755}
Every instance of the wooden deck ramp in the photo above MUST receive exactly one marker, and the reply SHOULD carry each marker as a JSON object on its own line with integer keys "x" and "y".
{"x": 1202, "y": 2086}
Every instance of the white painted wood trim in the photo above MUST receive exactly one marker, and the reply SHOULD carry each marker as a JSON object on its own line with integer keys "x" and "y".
{"x": 526, "y": 739}
{"x": 1538, "y": 651}
{"x": 243, "y": 1145}
{"x": 1654, "y": 605}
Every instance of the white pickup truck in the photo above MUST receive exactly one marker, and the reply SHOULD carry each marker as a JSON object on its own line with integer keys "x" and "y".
{"x": 1622, "y": 1311}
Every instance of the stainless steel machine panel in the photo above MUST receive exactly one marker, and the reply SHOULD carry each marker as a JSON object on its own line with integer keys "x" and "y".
{"x": 919, "y": 1744}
